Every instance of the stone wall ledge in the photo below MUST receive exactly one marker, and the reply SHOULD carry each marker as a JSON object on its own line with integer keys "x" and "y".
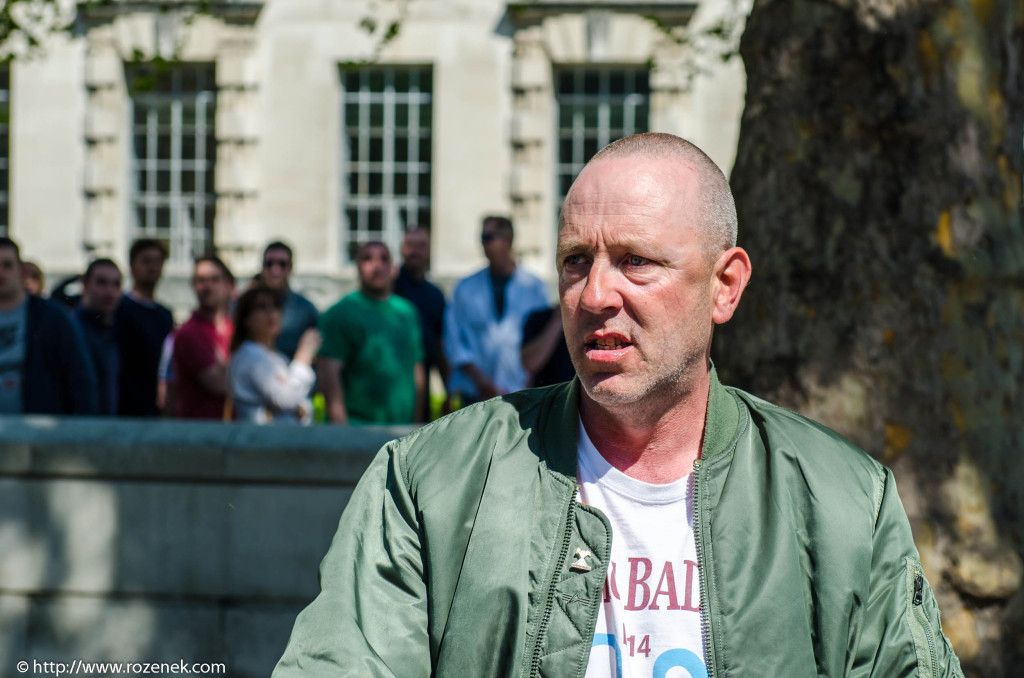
{"x": 172, "y": 451}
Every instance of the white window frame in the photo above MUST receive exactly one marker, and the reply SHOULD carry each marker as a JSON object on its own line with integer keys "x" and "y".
{"x": 397, "y": 210}
{"x": 632, "y": 103}
{"x": 186, "y": 233}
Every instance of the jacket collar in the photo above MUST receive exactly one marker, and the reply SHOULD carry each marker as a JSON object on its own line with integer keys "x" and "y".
{"x": 721, "y": 420}
{"x": 560, "y": 426}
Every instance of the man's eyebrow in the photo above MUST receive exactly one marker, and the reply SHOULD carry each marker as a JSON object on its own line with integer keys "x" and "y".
{"x": 571, "y": 244}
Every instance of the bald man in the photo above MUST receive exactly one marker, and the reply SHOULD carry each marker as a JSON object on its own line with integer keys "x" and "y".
{"x": 641, "y": 518}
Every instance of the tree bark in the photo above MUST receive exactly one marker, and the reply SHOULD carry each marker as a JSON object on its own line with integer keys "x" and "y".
{"x": 879, "y": 184}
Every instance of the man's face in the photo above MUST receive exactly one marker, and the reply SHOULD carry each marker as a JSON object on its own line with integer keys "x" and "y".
{"x": 212, "y": 288}
{"x": 416, "y": 250}
{"x": 10, "y": 274}
{"x": 31, "y": 279}
{"x": 102, "y": 291}
{"x": 148, "y": 266}
{"x": 497, "y": 245}
{"x": 277, "y": 266}
{"x": 374, "y": 264}
{"x": 635, "y": 286}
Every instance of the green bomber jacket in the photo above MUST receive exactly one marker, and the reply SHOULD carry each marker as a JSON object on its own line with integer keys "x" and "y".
{"x": 453, "y": 555}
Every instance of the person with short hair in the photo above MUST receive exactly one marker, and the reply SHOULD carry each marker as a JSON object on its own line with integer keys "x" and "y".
{"x": 44, "y": 364}
{"x": 33, "y": 278}
{"x": 267, "y": 388}
{"x": 299, "y": 313}
{"x": 483, "y": 327}
{"x": 141, "y": 325}
{"x": 201, "y": 345}
{"x": 412, "y": 284}
{"x": 371, "y": 363}
{"x": 101, "y": 295}
{"x": 642, "y": 519}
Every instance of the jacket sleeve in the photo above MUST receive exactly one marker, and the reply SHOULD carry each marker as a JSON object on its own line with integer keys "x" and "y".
{"x": 370, "y": 618}
{"x": 900, "y": 634}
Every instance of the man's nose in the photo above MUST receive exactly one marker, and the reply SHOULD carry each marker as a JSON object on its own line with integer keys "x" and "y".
{"x": 600, "y": 291}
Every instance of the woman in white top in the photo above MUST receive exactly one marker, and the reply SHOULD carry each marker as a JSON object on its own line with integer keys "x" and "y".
{"x": 265, "y": 387}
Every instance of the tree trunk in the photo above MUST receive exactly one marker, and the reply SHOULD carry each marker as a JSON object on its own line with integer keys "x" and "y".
{"x": 879, "y": 183}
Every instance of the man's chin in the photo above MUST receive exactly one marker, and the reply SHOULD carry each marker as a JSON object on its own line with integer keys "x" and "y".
{"x": 612, "y": 389}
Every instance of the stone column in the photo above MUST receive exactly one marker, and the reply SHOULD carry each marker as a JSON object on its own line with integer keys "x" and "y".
{"x": 533, "y": 148}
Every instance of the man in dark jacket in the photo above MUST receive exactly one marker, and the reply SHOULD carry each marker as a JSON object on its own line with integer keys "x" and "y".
{"x": 44, "y": 365}
{"x": 412, "y": 284}
{"x": 101, "y": 294}
{"x": 141, "y": 325}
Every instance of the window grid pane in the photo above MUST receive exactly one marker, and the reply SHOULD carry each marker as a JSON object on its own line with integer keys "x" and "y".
{"x": 386, "y": 131}
{"x": 173, "y": 150}
{"x": 596, "y": 106}
{"x": 5, "y": 147}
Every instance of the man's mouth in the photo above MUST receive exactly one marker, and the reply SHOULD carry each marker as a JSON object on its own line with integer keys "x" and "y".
{"x": 607, "y": 342}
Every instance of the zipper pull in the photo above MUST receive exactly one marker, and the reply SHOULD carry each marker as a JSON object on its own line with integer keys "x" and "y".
{"x": 918, "y": 588}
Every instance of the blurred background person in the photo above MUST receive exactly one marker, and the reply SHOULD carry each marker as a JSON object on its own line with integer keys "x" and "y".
{"x": 32, "y": 278}
{"x": 44, "y": 365}
{"x": 545, "y": 355}
{"x": 483, "y": 327}
{"x": 299, "y": 313}
{"x": 101, "y": 294}
{"x": 412, "y": 285}
{"x": 140, "y": 326}
{"x": 265, "y": 387}
{"x": 166, "y": 388}
{"x": 68, "y": 292}
{"x": 202, "y": 344}
{"x": 371, "y": 364}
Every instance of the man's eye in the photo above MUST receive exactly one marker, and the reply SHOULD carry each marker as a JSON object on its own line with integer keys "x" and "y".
{"x": 573, "y": 260}
{"x": 636, "y": 260}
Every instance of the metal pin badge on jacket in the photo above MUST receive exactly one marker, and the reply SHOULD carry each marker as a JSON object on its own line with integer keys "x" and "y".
{"x": 580, "y": 564}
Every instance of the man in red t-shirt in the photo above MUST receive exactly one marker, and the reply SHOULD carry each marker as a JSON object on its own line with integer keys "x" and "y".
{"x": 201, "y": 345}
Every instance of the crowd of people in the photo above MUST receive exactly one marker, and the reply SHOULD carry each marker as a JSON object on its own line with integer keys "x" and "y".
{"x": 265, "y": 354}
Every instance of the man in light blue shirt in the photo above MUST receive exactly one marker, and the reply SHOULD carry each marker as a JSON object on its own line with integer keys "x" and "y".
{"x": 483, "y": 325}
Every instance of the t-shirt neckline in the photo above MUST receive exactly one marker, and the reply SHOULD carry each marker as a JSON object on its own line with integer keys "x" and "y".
{"x": 638, "y": 490}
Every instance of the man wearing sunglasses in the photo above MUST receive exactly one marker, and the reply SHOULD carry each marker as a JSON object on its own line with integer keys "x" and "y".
{"x": 484, "y": 322}
{"x": 299, "y": 312}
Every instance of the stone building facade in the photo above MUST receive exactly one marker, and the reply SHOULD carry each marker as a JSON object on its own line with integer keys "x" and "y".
{"x": 296, "y": 120}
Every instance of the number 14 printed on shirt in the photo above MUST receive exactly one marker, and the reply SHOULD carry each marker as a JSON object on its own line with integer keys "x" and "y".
{"x": 669, "y": 659}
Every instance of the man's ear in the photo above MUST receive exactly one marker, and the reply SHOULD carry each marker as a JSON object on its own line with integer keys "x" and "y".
{"x": 728, "y": 280}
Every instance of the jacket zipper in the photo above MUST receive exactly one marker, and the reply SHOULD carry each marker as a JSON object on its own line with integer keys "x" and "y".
{"x": 705, "y": 613}
{"x": 550, "y": 602}
{"x": 922, "y": 618}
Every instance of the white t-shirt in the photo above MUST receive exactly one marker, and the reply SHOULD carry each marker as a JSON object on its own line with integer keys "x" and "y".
{"x": 648, "y": 625}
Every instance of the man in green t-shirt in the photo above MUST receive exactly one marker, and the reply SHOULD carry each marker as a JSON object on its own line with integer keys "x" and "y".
{"x": 371, "y": 361}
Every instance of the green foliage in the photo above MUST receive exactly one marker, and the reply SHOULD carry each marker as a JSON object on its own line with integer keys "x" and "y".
{"x": 148, "y": 78}
{"x": 717, "y": 40}
{"x": 383, "y": 31}
{"x": 25, "y": 24}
